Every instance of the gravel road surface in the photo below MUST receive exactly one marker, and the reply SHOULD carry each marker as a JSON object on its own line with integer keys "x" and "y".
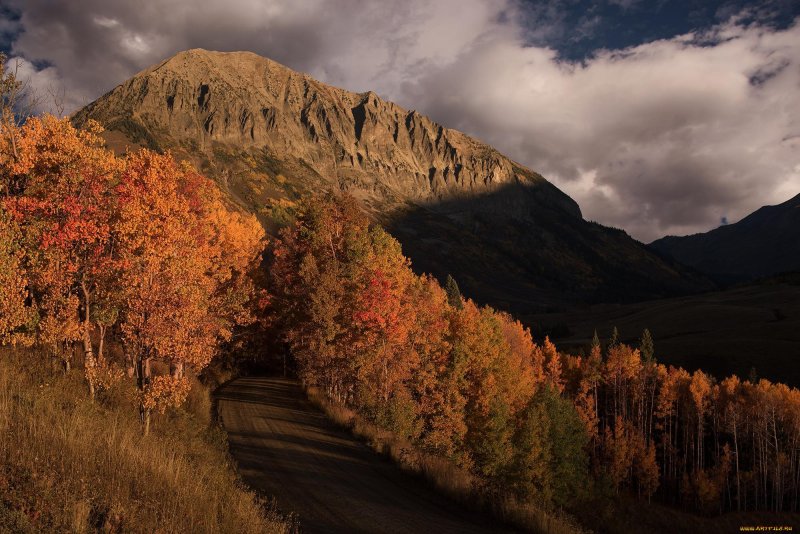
{"x": 285, "y": 447}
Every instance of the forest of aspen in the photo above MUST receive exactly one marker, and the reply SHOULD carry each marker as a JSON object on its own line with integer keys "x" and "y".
{"x": 141, "y": 253}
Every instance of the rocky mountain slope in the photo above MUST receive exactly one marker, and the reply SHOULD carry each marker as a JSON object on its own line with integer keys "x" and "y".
{"x": 764, "y": 243}
{"x": 270, "y": 135}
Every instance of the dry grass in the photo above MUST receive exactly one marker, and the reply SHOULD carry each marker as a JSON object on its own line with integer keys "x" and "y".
{"x": 449, "y": 479}
{"x": 68, "y": 465}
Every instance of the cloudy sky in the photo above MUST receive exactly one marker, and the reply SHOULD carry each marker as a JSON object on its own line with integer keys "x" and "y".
{"x": 659, "y": 117}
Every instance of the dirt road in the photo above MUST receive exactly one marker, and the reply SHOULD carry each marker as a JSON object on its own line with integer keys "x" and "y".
{"x": 286, "y": 448}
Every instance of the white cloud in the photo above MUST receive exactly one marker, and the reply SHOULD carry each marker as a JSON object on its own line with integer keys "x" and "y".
{"x": 666, "y": 137}
{"x": 106, "y": 22}
{"x": 42, "y": 90}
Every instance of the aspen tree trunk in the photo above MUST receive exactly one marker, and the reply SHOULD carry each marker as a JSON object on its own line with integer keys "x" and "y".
{"x": 101, "y": 343}
{"x": 144, "y": 380}
{"x": 62, "y": 356}
{"x": 757, "y": 480}
{"x": 738, "y": 486}
{"x": 765, "y": 463}
{"x": 177, "y": 369}
{"x": 778, "y": 482}
{"x": 146, "y": 422}
{"x": 88, "y": 354}
{"x": 131, "y": 369}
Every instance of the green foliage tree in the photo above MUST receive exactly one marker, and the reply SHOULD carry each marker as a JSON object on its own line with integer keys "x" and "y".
{"x": 550, "y": 463}
{"x": 646, "y": 347}
{"x": 532, "y": 476}
{"x": 614, "y": 338}
{"x": 568, "y": 441}
{"x": 453, "y": 293}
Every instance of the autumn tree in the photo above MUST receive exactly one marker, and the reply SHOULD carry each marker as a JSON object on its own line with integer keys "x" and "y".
{"x": 552, "y": 363}
{"x": 382, "y": 320}
{"x": 587, "y": 395}
{"x": 700, "y": 390}
{"x": 16, "y": 105}
{"x": 65, "y": 206}
{"x": 731, "y": 401}
{"x": 438, "y": 381}
{"x": 313, "y": 283}
{"x": 621, "y": 368}
{"x": 470, "y": 384}
{"x": 185, "y": 261}
{"x": 646, "y": 470}
{"x": 348, "y": 304}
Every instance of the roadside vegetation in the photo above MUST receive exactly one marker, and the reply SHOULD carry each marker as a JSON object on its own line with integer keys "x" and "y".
{"x": 445, "y": 476}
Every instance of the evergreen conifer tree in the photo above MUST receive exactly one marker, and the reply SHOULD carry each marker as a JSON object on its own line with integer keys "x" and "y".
{"x": 614, "y": 338}
{"x": 646, "y": 347}
{"x": 453, "y": 293}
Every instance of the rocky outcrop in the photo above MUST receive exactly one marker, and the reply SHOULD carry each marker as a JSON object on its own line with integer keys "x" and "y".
{"x": 242, "y": 100}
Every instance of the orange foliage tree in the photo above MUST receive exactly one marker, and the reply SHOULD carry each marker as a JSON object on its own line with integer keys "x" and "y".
{"x": 17, "y": 318}
{"x": 471, "y": 384}
{"x": 89, "y": 240}
{"x": 65, "y": 208}
{"x": 185, "y": 260}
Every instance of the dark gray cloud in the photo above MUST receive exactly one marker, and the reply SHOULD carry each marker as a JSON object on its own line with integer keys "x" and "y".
{"x": 663, "y": 137}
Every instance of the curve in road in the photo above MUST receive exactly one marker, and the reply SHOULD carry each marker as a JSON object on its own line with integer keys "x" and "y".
{"x": 285, "y": 447}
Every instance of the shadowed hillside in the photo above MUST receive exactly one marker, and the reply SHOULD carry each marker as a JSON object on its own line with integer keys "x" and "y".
{"x": 534, "y": 260}
{"x": 764, "y": 243}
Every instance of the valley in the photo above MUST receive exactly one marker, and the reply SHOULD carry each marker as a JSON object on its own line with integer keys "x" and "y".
{"x": 722, "y": 332}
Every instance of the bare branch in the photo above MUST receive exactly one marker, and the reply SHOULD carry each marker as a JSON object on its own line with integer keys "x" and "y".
{"x": 57, "y": 98}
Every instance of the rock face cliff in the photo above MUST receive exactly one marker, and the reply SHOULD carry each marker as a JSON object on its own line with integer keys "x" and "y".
{"x": 246, "y": 101}
{"x": 270, "y": 135}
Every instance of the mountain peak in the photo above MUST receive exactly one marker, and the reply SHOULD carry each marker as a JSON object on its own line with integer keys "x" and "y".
{"x": 234, "y": 57}
{"x": 270, "y": 135}
{"x": 237, "y": 100}
{"x": 237, "y": 69}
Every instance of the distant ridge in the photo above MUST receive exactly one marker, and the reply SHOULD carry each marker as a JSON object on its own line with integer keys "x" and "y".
{"x": 270, "y": 135}
{"x": 764, "y": 243}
